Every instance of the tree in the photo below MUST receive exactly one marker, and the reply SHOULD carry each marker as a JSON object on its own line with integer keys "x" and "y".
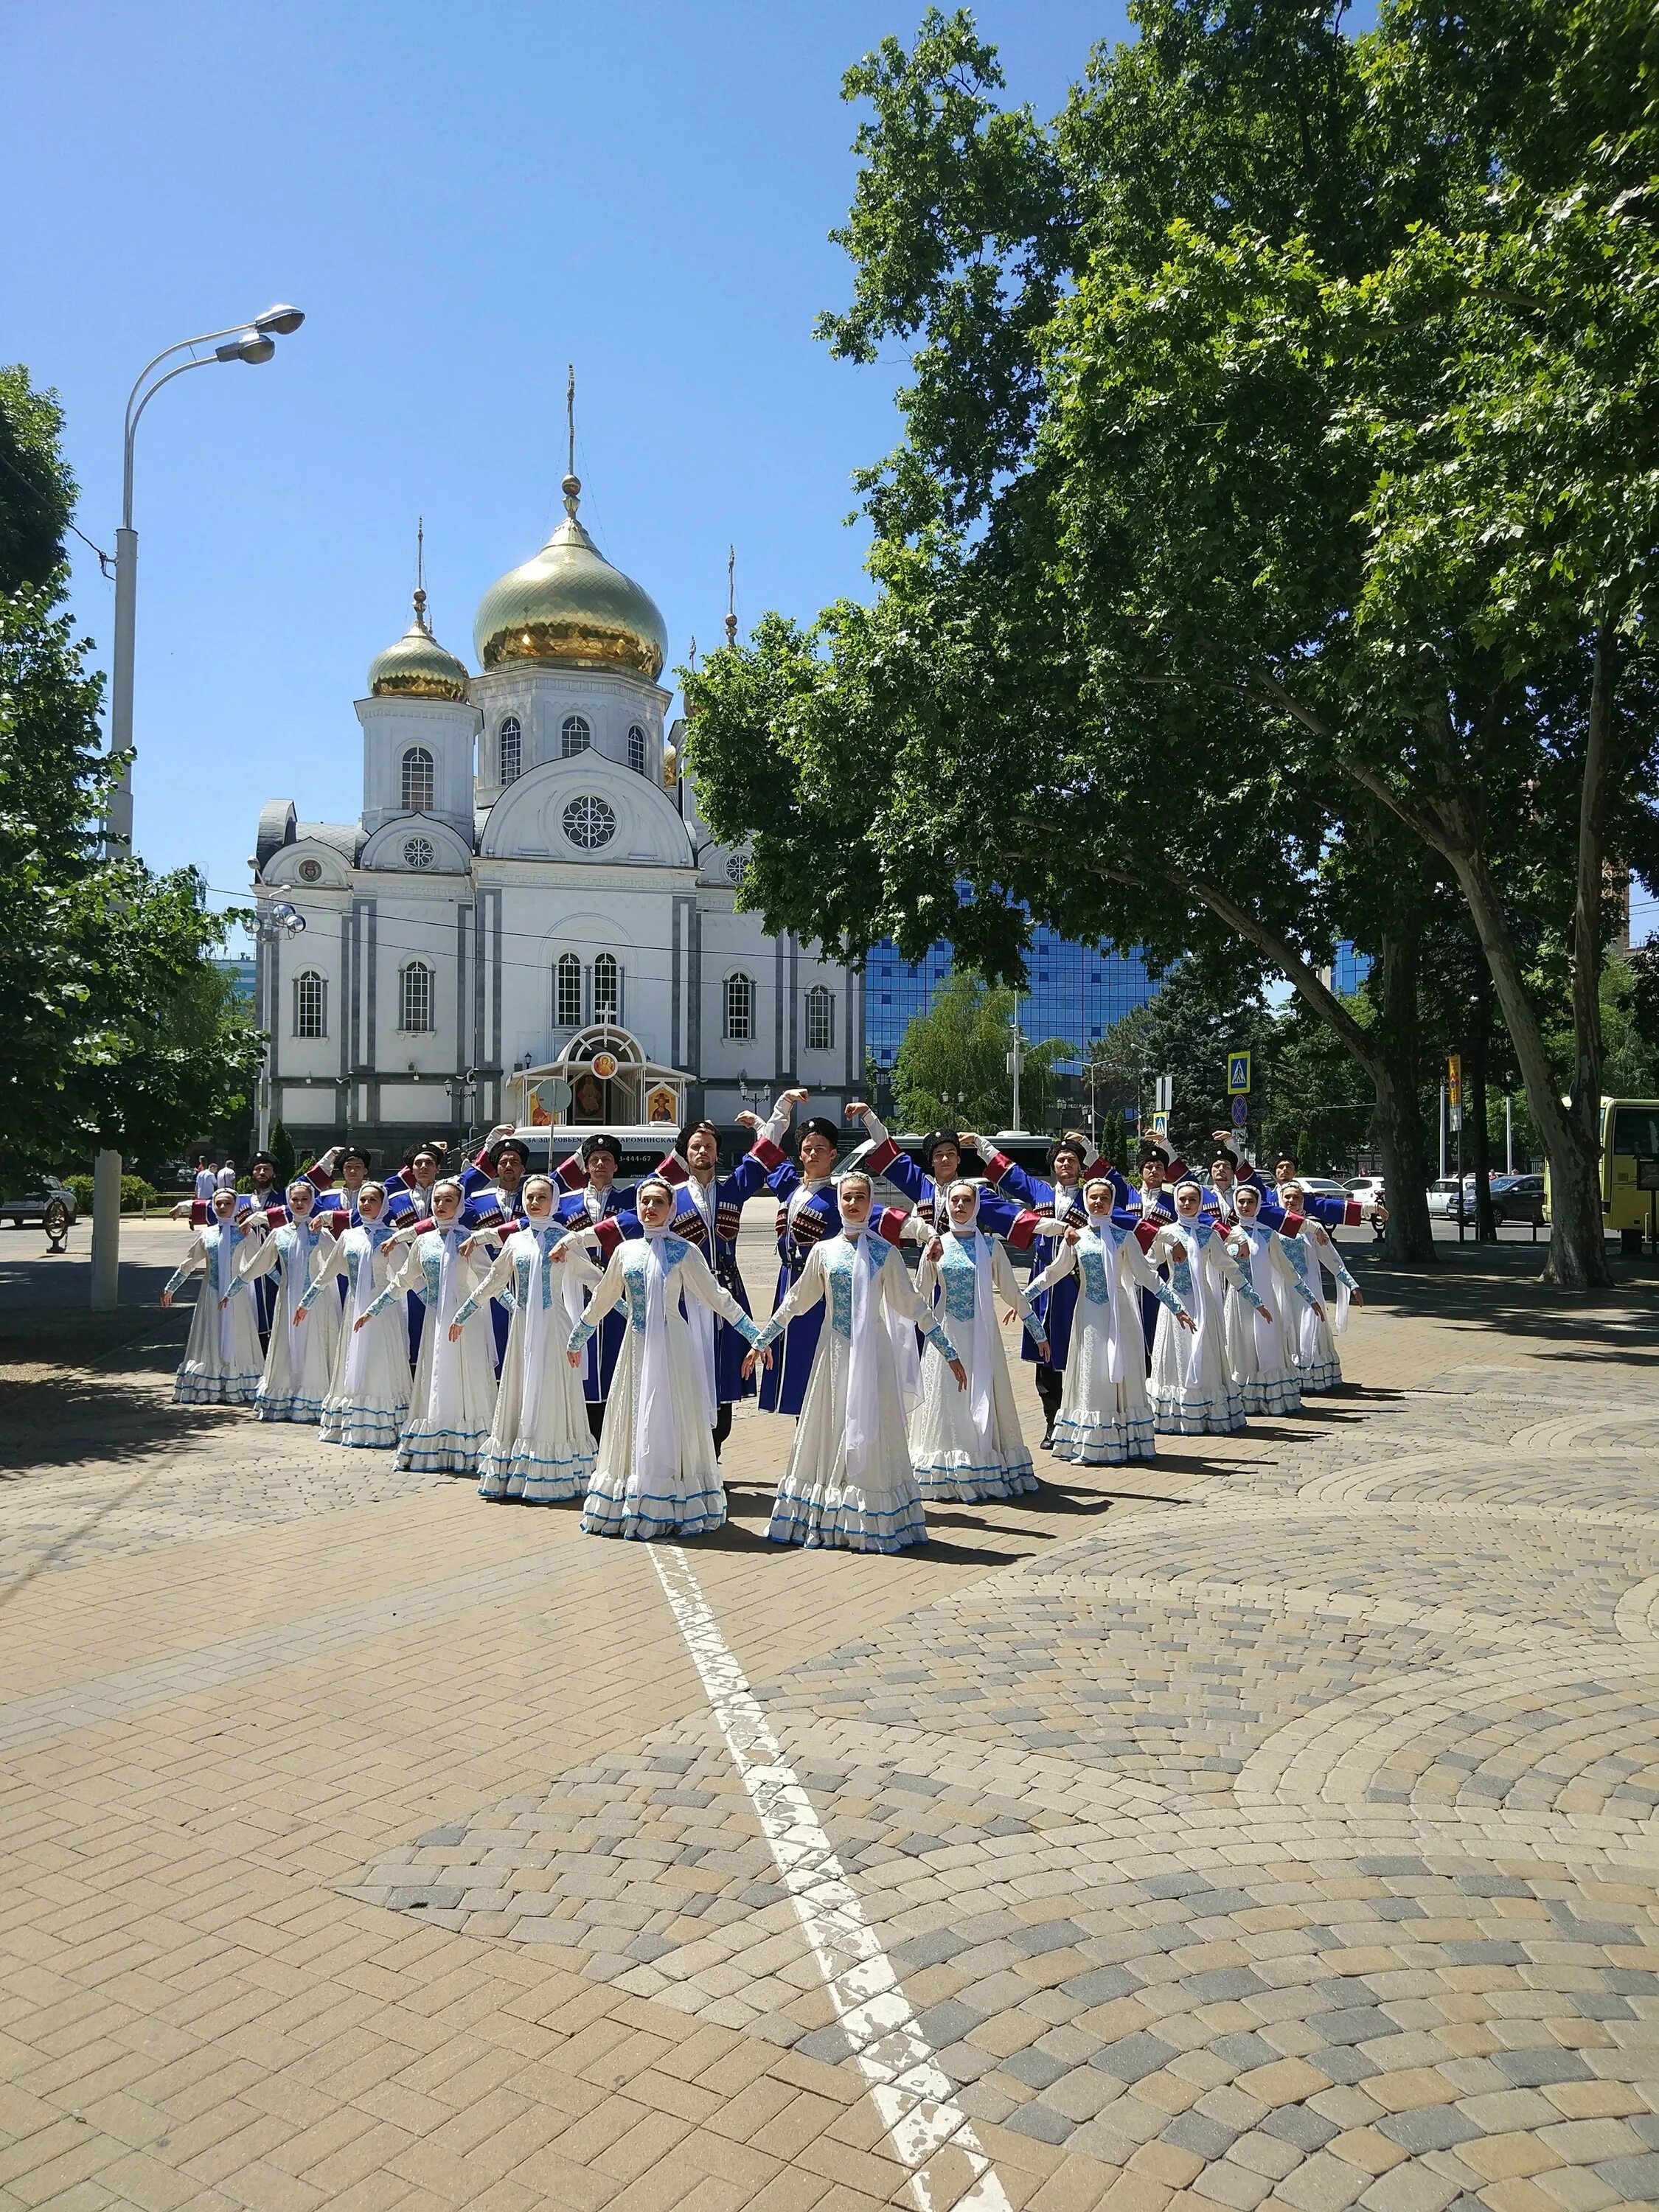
{"x": 1186, "y": 1032}
{"x": 1281, "y": 433}
{"x": 113, "y": 1032}
{"x": 950, "y": 1069}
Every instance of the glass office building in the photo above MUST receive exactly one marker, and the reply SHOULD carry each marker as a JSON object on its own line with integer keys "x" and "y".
{"x": 1349, "y": 968}
{"x": 1075, "y": 991}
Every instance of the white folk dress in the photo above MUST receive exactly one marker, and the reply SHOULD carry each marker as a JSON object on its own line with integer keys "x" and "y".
{"x": 968, "y": 1445}
{"x": 368, "y": 1401}
{"x": 1317, "y": 1364}
{"x": 1104, "y": 1417}
{"x": 223, "y": 1361}
{"x": 1192, "y": 1392}
{"x": 850, "y": 1484}
{"x": 299, "y": 1357}
{"x": 454, "y": 1399}
{"x": 656, "y": 1474}
{"x": 540, "y": 1449}
{"x": 1260, "y": 1358}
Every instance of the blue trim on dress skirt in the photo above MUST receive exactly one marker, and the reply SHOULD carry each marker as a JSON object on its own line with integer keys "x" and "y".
{"x": 1282, "y": 1395}
{"x": 964, "y": 1484}
{"x": 289, "y": 1408}
{"x": 1105, "y": 1444}
{"x": 1178, "y": 1415}
{"x": 200, "y": 1390}
{"x": 366, "y": 1428}
{"x": 1327, "y": 1374}
{"x": 845, "y": 1527}
{"x": 423, "y": 1449}
{"x": 605, "y": 1515}
{"x": 528, "y": 1477}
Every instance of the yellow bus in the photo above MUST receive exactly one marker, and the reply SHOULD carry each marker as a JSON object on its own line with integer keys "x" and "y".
{"x": 1630, "y": 1133}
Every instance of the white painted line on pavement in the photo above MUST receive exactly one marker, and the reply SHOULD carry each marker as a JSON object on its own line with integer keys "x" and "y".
{"x": 927, "y": 2131}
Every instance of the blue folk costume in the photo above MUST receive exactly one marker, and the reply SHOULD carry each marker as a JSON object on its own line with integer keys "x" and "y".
{"x": 409, "y": 1205}
{"x": 496, "y": 1209}
{"x": 610, "y": 1213}
{"x": 300, "y": 1357}
{"x": 367, "y": 1402}
{"x": 540, "y": 1448}
{"x": 1049, "y": 1201}
{"x": 807, "y": 1213}
{"x": 708, "y": 1217}
{"x": 1191, "y": 1388}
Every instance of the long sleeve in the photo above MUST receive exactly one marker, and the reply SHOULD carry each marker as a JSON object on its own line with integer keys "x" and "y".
{"x": 903, "y": 1297}
{"x": 1063, "y": 1263}
{"x": 607, "y": 1295}
{"x": 328, "y": 1260}
{"x": 1284, "y": 1275}
{"x": 259, "y": 1259}
{"x": 1227, "y": 1266}
{"x": 805, "y": 1292}
{"x": 1139, "y": 1268}
{"x": 697, "y": 1278}
{"x": 195, "y": 1256}
{"x": 1008, "y": 1290}
{"x": 494, "y": 1282}
{"x": 410, "y": 1277}
{"x": 1331, "y": 1259}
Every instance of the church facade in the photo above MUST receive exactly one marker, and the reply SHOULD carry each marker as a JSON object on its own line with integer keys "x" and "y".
{"x": 530, "y": 921}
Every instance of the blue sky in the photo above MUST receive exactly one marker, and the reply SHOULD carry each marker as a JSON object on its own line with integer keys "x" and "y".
{"x": 462, "y": 199}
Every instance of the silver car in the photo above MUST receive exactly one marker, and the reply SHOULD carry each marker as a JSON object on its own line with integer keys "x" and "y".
{"x": 42, "y": 1199}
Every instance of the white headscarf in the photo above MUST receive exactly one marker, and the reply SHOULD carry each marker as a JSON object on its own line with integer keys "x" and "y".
{"x": 374, "y": 1233}
{"x": 541, "y": 1233}
{"x": 985, "y": 1320}
{"x": 862, "y": 1374}
{"x": 656, "y": 1444}
{"x": 443, "y": 1397}
{"x": 224, "y": 1275}
{"x": 1105, "y": 1229}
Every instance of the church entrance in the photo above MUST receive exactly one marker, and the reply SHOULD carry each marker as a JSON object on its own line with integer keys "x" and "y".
{"x": 601, "y": 1081}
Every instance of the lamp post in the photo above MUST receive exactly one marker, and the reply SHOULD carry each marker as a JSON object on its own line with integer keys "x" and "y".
{"x": 275, "y": 921}
{"x": 254, "y": 342}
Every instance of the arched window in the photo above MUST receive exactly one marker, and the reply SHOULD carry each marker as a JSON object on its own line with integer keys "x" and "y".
{"x": 739, "y": 1007}
{"x": 418, "y": 781}
{"x": 310, "y": 1004}
{"x": 414, "y": 998}
{"x": 575, "y": 735}
{"x": 567, "y": 992}
{"x": 636, "y": 750}
{"x": 607, "y": 988}
{"x": 509, "y": 737}
{"x": 820, "y": 1018}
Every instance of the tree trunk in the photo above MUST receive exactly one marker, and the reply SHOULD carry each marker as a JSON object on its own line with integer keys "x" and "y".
{"x": 1401, "y": 1135}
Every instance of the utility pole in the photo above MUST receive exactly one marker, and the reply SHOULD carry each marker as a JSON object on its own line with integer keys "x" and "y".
{"x": 1015, "y": 1060}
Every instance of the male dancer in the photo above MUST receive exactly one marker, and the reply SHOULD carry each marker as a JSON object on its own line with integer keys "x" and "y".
{"x": 607, "y": 1207}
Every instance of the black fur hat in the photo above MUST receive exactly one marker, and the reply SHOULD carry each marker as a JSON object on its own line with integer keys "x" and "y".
{"x": 600, "y": 1143}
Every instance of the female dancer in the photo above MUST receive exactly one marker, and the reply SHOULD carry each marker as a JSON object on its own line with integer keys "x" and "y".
{"x": 1103, "y": 1418}
{"x": 968, "y": 1445}
{"x": 1191, "y": 1391}
{"x": 1319, "y": 1368}
{"x": 368, "y": 1401}
{"x": 540, "y": 1447}
{"x": 221, "y": 1361}
{"x": 655, "y": 1474}
{"x": 299, "y": 1361}
{"x": 849, "y": 1483}
{"x": 454, "y": 1392}
{"x": 1072, "y": 1157}
{"x": 1260, "y": 1356}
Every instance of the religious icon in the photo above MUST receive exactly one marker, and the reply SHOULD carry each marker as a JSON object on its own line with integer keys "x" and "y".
{"x": 662, "y": 1104}
{"x": 587, "y": 1099}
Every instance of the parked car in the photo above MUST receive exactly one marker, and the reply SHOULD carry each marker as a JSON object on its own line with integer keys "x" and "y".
{"x": 1442, "y": 1195}
{"x": 1514, "y": 1198}
{"x": 1369, "y": 1190}
{"x": 39, "y": 1198}
{"x": 1322, "y": 1187}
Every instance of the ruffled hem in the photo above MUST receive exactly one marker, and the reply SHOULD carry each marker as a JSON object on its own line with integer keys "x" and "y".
{"x": 964, "y": 1484}
{"x": 1105, "y": 1444}
{"x": 528, "y": 1478}
{"x": 289, "y": 1408}
{"x": 603, "y": 1515}
{"x": 1179, "y": 1416}
{"x": 1324, "y": 1375}
{"x": 1281, "y": 1394}
{"x": 369, "y": 1428}
{"x": 815, "y": 1526}
{"x": 198, "y": 1388}
{"x": 423, "y": 1449}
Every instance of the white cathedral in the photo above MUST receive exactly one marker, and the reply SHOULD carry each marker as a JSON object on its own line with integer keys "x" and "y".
{"x": 531, "y": 923}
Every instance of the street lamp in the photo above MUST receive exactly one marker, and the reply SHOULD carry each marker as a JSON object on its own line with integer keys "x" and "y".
{"x": 252, "y": 342}
{"x": 274, "y": 922}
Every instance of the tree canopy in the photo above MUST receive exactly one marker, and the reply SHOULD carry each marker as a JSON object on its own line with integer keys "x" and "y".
{"x": 117, "y": 1029}
{"x": 951, "y": 1068}
{"x": 1268, "y": 552}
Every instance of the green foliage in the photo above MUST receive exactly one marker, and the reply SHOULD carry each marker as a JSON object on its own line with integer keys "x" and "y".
{"x": 136, "y": 1194}
{"x": 118, "y": 1030}
{"x": 81, "y": 1186}
{"x": 951, "y": 1069}
{"x": 37, "y": 493}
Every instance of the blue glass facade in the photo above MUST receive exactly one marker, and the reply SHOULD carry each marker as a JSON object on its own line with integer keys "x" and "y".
{"x": 1349, "y": 968}
{"x": 1076, "y": 992}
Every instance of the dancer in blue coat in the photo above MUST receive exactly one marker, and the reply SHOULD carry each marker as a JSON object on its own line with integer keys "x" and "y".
{"x": 1072, "y": 1161}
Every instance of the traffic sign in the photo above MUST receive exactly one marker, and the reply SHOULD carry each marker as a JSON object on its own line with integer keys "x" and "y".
{"x": 1238, "y": 1074}
{"x": 1160, "y": 1125}
{"x": 1241, "y": 1112}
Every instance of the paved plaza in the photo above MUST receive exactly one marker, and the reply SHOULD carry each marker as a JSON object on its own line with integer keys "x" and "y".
{"x": 1274, "y": 1824}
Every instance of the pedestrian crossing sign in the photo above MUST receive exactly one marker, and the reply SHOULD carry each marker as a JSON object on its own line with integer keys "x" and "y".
{"x": 1238, "y": 1074}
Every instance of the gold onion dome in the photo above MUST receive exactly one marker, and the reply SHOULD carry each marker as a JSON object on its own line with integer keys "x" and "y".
{"x": 569, "y": 603}
{"x": 417, "y": 667}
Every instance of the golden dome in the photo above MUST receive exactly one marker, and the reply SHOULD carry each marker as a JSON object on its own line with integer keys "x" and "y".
{"x": 417, "y": 667}
{"x": 569, "y": 605}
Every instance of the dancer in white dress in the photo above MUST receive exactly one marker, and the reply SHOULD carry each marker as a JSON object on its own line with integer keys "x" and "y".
{"x": 368, "y": 1401}
{"x": 453, "y": 1398}
{"x": 1192, "y": 1392}
{"x": 850, "y": 1484}
{"x": 1103, "y": 1417}
{"x": 656, "y": 1474}
{"x": 966, "y": 1445}
{"x": 223, "y": 1361}
{"x": 1260, "y": 1358}
{"x": 540, "y": 1447}
{"x": 1311, "y": 1249}
{"x": 299, "y": 1358}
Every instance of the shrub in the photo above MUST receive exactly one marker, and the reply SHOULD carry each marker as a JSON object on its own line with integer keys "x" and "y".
{"x": 81, "y": 1186}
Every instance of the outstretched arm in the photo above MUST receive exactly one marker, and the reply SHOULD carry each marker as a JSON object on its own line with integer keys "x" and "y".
{"x": 609, "y": 1291}
{"x": 697, "y": 1281}
{"x": 410, "y": 1277}
{"x": 195, "y": 1256}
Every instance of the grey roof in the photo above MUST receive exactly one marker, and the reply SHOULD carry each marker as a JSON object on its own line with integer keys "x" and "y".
{"x": 275, "y": 829}
{"x": 345, "y": 837}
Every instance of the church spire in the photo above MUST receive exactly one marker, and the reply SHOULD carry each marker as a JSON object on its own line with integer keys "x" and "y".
{"x": 572, "y": 486}
{"x": 420, "y": 575}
